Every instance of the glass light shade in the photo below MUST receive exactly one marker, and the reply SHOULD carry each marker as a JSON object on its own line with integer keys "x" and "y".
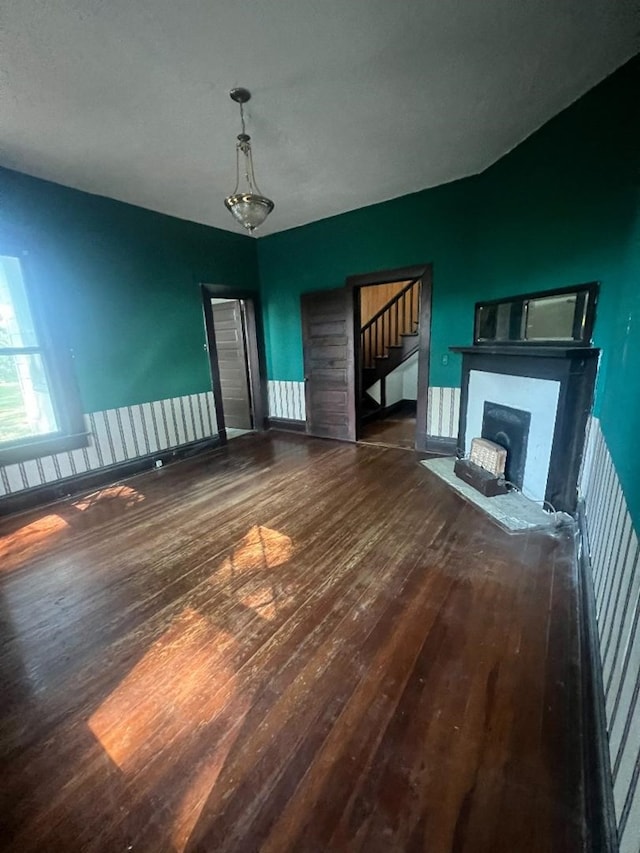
{"x": 248, "y": 209}
{"x": 246, "y": 204}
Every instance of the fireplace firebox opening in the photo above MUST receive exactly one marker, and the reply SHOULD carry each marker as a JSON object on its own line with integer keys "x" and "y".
{"x": 509, "y": 428}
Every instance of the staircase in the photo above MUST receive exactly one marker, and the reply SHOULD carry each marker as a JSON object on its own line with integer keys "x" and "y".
{"x": 386, "y": 341}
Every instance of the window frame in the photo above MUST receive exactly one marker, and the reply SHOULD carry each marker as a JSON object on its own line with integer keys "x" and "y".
{"x": 57, "y": 359}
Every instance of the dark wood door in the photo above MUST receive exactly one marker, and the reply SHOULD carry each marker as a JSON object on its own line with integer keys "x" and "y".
{"x": 232, "y": 363}
{"x": 327, "y": 337}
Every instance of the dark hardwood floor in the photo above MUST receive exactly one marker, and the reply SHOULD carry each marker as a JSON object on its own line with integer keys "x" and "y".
{"x": 396, "y": 430}
{"x": 287, "y": 645}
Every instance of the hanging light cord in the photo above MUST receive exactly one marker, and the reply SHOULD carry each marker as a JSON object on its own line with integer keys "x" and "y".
{"x": 237, "y": 170}
{"x": 243, "y": 145}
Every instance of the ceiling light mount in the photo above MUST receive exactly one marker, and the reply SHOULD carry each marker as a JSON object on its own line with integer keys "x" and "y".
{"x": 240, "y": 95}
{"x": 246, "y": 204}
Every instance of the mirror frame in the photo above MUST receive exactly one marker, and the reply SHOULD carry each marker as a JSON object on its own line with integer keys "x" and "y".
{"x": 590, "y": 291}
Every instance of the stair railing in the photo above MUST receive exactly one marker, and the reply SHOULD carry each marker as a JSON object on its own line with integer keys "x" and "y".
{"x": 400, "y": 316}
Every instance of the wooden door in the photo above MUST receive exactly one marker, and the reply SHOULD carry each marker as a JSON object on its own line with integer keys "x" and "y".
{"x": 232, "y": 363}
{"x": 327, "y": 338}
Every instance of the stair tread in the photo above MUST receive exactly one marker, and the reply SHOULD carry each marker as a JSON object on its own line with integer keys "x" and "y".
{"x": 391, "y": 347}
{"x": 399, "y": 346}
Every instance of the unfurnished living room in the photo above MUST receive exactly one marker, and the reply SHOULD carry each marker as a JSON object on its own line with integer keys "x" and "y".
{"x": 319, "y": 413}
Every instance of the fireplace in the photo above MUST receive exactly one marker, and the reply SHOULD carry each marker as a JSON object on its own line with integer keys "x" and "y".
{"x": 534, "y": 401}
{"x": 509, "y": 428}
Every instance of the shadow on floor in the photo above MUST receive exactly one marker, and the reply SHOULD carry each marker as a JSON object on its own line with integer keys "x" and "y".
{"x": 397, "y": 430}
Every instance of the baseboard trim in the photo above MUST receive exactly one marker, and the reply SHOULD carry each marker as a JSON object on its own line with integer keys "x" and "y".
{"x": 287, "y": 424}
{"x": 599, "y": 803}
{"x": 70, "y": 486}
{"x": 441, "y": 444}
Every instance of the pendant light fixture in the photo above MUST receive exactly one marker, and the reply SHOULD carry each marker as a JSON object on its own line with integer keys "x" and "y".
{"x": 246, "y": 204}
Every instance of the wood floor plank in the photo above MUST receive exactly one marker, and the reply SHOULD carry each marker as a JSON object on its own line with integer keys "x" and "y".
{"x": 288, "y": 644}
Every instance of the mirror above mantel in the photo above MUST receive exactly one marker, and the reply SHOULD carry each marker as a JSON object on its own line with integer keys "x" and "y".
{"x": 562, "y": 317}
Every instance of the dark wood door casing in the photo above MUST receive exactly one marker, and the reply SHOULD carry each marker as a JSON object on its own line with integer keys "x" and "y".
{"x": 328, "y": 352}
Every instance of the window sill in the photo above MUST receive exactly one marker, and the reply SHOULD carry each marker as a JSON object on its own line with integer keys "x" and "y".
{"x": 46, "y": 446}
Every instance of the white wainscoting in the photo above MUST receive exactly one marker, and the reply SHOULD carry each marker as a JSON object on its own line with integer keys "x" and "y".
{"x": 615, "y": 558}
{"x": 443, "y": 412}
{"x": 118, "y": 435}
{"x": 286, "y": 400}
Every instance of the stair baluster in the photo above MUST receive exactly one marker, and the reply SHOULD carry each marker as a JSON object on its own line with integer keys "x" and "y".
{"x": 390, "y": 336}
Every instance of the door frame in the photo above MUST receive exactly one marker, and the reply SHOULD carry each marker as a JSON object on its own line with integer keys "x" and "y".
{"x": 425, "y": 273}
{"x": 254, "y": 341}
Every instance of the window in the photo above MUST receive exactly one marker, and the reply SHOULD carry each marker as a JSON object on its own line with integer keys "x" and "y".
{"x": 38, "y": 414}
{"x": 25, "y": 393}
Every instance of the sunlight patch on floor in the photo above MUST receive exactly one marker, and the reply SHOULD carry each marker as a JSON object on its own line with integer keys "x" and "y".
{"x": 36, "y": 537}
{"x": 128, "y": 495}
{"x": 174, "y": 688}
{"x": 260, "y": 550}
{"x": 29, "y": 540}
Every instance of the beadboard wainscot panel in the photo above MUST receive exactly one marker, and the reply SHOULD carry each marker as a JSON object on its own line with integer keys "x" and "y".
{"x": 120, "y": 435}
{"x": 443, "y": 412}
{"x": 615, "y": 560}
{"x": 286, "y": 400}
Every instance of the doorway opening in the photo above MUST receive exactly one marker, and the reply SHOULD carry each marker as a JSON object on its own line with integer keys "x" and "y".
{"x": 389, "y": 345}
{"x": 392, "y": 333}
{"x": 340, "y": 352}
{"x": 232, "y": 343}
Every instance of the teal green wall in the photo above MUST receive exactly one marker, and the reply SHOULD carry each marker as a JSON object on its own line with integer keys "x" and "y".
{"x": 619, "y": 408}
{"x": 553, "y": 212}
{"x": 564, "y": 207}
{"x": 561, "y": 208}
{"x": 121, "y": 286}
{"x": 431, "y": 226}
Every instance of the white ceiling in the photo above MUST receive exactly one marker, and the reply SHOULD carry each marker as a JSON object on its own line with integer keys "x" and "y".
{"x": 354, "y": 101}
